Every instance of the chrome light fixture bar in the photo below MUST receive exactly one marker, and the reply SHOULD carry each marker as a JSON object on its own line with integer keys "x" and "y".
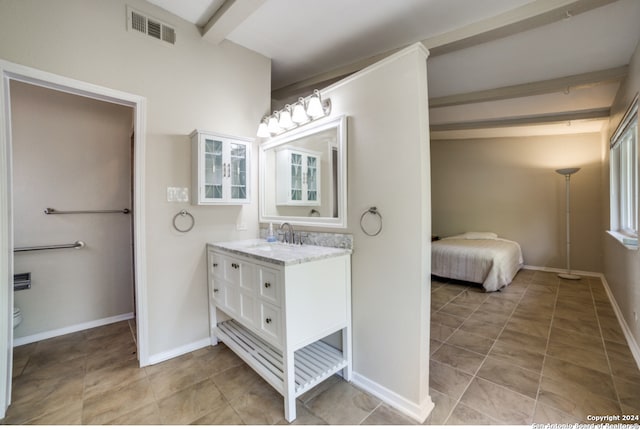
{"x": 303, "y": 111}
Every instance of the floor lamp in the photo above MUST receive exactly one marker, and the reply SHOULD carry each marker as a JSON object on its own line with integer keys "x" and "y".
{"x": 567, "y": 174}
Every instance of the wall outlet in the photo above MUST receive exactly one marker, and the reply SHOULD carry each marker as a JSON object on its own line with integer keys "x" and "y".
{"x": 241, "y": 227}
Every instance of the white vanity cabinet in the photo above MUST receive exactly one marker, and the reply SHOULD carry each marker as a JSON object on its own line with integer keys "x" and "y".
{"x": 298, "y": 177}
{"x": 274, "y": 312}
{"x": 220, "y": 169}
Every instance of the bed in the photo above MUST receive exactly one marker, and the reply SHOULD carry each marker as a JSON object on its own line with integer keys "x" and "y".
{"x": 478, "y": 257}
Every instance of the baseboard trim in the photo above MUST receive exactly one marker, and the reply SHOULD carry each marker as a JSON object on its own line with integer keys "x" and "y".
{"x": 555, "y": 270}
{"x": 181, "y": 350}
{"x": 409, "y": 408}
{"x": 70, "y": 329}
{"x": 633, "y": 345}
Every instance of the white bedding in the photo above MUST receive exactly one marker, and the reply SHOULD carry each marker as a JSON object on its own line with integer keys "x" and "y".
{"x": 490, "y": 262}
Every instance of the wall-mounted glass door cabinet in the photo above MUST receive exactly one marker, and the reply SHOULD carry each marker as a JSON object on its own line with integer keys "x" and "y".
{"x": 220, "y": 168}
{"x": 298, "y": 177}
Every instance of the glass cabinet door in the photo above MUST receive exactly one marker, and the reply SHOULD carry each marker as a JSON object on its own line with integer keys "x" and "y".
{"x": 296, "y": 177}
{"x": 238, "y": 174}
{"x": 213, "y": 172}
{"x": 311, "y": 179}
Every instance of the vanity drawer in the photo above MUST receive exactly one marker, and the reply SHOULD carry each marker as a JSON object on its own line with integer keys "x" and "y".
{"x": 217, "y": 291}
{"x": 240, "y": 273}
{"x": 231, "y": 300}
{"x": 269, "y": 285}
{"x": 270, "y": 323}
{"x": 248, "y": 309}
{"x": 215, "y": 264}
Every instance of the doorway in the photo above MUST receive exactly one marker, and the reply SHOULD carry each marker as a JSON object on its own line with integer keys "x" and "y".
{"x": 72, "y": 183}
{"x": 11, "y": 72}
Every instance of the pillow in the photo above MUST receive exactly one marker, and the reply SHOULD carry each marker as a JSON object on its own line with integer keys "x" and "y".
{"x": 479, "y": 235}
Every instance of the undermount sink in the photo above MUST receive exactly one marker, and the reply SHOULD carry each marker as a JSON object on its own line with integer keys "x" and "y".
{"x": 272, "y": 246}
{"x": 279, "y": 252}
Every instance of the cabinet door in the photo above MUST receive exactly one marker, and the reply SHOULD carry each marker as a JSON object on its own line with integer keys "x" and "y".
{"x": 311, "y": 179}
{"x": 295, "y": 192}
{"x": 238, "y": 160}
{"x": 214, "y": 170}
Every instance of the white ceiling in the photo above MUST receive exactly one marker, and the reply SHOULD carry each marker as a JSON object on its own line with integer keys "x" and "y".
{"x": 305, "y": 38}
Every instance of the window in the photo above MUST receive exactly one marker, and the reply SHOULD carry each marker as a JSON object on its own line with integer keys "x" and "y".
{"x": 624, "y": 178}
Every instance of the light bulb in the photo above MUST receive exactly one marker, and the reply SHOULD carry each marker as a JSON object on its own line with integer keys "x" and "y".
{"x": 299, "y": 115}
{"x": 263, "y": 130}
{"x": 273, "y": 126}
{"x": 285, "y": 118}
{"x": 314, "y": 108}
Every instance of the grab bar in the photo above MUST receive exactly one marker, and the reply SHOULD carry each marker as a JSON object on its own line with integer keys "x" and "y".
{"x": 51, "y": 211}
{"x": 76, "y": 245}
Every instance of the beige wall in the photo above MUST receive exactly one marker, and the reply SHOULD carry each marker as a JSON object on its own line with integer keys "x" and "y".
{"x": 622, "y": 266}
{"x": 509, "y": 186}
{"x": 193, "y": 84}
{"x": 71, "y": 153}
{"x": 388, "y": 167}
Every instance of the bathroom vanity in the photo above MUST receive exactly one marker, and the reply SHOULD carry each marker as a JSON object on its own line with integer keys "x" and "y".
{"x": 273, "y": 303}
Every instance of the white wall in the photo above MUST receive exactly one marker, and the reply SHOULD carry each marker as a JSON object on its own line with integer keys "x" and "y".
{"x": 190, "y": 85}
{"x": 388, "y": 167}
{"x": 509, "y": 186}
{"x": 71, "y": 153}
{"x": 622, "y": 266}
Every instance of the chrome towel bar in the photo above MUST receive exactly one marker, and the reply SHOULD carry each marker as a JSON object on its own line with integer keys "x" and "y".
{"x": 51, "y": 211}
{"x": 76, "y": 245}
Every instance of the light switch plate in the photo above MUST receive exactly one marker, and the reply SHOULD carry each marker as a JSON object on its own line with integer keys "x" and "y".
{"x": 177, "y": 194}
{"x": 183, "y": 194}
{"x": 171, "y": 194}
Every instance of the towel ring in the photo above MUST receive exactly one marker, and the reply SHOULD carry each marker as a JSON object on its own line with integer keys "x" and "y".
{"x": 372, "y": 210}
{"x": 184, "y": 213}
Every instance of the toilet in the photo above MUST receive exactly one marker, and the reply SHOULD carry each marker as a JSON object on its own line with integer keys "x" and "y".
{"x": 17, "y": 317}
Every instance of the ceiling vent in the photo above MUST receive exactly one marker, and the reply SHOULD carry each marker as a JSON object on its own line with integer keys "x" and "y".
{"x": 152, "y": 27}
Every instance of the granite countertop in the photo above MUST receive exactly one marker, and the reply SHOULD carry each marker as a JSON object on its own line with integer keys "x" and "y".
{"x": 279, "y": 253}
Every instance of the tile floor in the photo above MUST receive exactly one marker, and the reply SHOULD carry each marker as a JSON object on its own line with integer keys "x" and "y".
{"x": 543, "y": 350}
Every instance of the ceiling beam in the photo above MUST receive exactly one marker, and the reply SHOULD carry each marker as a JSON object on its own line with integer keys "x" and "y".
{"x": 231, "y": 14}
{"x": 599, "y": 113}
{"x": 564, "y": 84}
{"x": 534, "y": 14}
{"x": 527, "y": 17}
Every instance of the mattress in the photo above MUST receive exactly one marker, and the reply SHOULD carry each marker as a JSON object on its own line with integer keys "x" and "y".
{"x": 492, "y": 262}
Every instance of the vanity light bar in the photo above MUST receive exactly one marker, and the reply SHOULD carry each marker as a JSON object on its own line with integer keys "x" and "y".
{"x": 303, "y": 111}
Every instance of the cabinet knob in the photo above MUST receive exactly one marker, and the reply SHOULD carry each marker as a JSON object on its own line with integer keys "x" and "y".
{"x": 268, "y": 320}
{"x": 267, "y": 284}
{"x": 215, "y": 264}
{"x": 215, "y": 290}
{"x": 235, "y": 266}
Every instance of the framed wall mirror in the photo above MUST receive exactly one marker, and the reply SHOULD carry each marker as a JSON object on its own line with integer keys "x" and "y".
{"x": 303, "y": 175}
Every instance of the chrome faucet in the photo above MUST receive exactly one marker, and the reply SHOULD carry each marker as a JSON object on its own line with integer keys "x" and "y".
{"x": 288, "y": 236}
